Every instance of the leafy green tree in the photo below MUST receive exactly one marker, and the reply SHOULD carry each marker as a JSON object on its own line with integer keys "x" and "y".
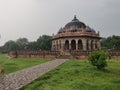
{"x": 98, "y": 59}
{"x": 11, "y": 46}
{"x": 22, "y": 42}
{"x": 32, "y": 46}
{"x": 112, "y": 42}
{"x": 44, "y": 42}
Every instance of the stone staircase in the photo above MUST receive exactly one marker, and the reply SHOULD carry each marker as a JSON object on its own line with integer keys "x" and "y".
{"x": 66, "y": 55}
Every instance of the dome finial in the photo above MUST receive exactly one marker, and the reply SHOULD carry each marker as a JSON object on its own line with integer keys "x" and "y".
{"x": 75, "y": 17}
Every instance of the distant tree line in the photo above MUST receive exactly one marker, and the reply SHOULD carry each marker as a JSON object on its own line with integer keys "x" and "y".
{"x": 44, "y": 42}
{"x": 112, "y": 43}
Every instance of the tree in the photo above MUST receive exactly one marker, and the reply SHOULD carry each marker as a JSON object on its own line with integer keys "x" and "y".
{"x": 98, "y": 59}
{"x": 22, "y": 42}
{"x": 11, "y": 46}
{"x": 112, "y": 42}
{"x": 44, "y": 42}
{"x": 32, "y": 46}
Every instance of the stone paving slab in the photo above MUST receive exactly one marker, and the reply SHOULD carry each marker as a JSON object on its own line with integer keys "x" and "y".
{"x": 16, "y": 80}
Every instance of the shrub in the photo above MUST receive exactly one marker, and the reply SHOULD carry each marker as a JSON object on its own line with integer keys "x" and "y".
{"x": 98, "y": 59}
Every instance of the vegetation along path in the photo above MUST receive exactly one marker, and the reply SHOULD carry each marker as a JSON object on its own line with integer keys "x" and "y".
{"x": 16, "y": 80}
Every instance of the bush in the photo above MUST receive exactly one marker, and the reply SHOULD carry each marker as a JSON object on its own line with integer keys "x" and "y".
{"x": 98, "y": 59}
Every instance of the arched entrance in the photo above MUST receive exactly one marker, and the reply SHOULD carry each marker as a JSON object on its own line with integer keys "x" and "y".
{"x": 92, "y": 45}
{"x": 56, "y": 45}
{"x": 60, "y": 44}
{"x": 80, "y": 46}
{"x": 66, "y": 45}
{"x": 73, "y": 45}
{"x": 87, "y": 44}
{"x": 96, "y": 45}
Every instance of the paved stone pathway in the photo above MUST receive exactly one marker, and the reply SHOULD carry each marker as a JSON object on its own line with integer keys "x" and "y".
{"x": 16, "y": 80}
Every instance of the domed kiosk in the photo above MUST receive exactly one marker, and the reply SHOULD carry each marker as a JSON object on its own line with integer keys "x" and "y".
{"x": 76, "y": 36}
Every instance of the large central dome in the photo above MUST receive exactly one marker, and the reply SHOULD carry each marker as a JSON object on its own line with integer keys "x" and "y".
{"x": 75, "y": 23}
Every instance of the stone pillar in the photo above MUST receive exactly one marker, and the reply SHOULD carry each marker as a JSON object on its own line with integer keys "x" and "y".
{"x": 55, "y": 45}
{"x": 52, "y": 45}
{"x": 94, "y": 45}
{"x": 62, "y": 47}
{"x": 89, "y": 44}
{"x": 69, "y": 44}
{"x": 98, "y": 44}
{"x": 58, "y": 45}
{"x": 84, "y": 44}
{"x": 62, "y": 44}
{"x": 76, "y": 41}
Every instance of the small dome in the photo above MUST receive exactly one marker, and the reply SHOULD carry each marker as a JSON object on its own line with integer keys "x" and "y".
{"x": 75, "y": 24}
{"x": 61, "y": 30}
{"x": 89, "y": 29}
{"x": 92, "y": 30}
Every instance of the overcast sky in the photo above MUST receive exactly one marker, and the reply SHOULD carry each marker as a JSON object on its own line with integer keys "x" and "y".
{"x": 32, "y": 18}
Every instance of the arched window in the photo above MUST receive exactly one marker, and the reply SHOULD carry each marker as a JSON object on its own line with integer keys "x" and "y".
{"x": 80, "y": 46}
{"x": 73, "y": 45}
{"x": 66, "y": 45}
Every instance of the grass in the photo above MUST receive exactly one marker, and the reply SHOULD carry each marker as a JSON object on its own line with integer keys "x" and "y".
{"x": 79, "y": 75}
{"x": 15, "y": 64}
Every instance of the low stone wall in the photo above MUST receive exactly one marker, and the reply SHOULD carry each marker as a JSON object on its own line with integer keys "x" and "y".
{"x": 16, "y": 80}
{"x": 81, "y": 55}
{"x": 35, "y": 54}
{"x": 38, "y": 56}
{"x": 115, "y": 57}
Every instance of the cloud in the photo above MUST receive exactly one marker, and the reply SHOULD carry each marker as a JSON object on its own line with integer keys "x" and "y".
{"x": 32, "y": 18}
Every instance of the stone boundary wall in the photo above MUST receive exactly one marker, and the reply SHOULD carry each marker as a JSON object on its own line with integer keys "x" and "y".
{"x": 34, "y": 54}
{"x": 16, "y": 80}
{"x": 81, "y": 55}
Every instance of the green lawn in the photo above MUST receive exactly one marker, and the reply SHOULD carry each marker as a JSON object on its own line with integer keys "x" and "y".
{"x": 12, "y": 65}
{"x": 79, "y": 75}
